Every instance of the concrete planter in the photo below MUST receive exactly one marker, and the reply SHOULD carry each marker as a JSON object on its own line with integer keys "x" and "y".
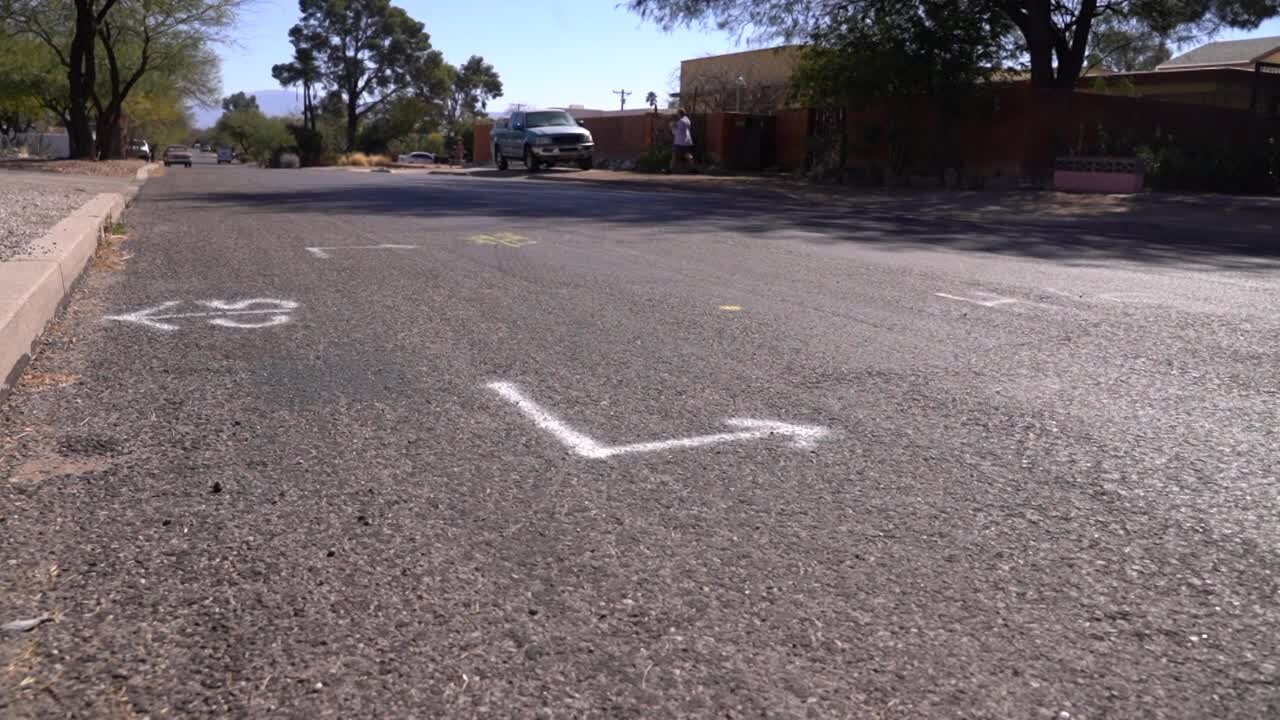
{"x": 1098, "y": 175}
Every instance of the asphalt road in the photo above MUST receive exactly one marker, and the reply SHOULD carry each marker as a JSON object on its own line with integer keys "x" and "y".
{"x": 1041, "y": 480}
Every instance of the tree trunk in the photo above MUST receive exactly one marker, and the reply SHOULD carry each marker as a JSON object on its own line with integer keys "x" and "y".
{"x": 1071, "y": 52}
{"x": 352, "y": 118}
{"x": 1039, "y": 36}
{"x": 110, "y": 136}
{"x": 81, "y": 76}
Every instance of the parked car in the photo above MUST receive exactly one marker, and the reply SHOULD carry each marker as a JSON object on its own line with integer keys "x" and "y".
{"x": 542, "y": 137}
{"x": 177, "y": 155}
{"x": 418, "y": 158}
{"x": 225, "y": 155}
{"x": 139, "y": 149}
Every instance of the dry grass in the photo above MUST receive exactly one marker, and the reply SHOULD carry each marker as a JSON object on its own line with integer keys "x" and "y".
{"x": 111, "y": 254}
{"x": 42, "y": 380}
{"x": 359, "y": 159}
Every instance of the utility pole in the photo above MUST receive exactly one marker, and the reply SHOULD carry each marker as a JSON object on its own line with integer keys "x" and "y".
{"x": 622, "y": 95}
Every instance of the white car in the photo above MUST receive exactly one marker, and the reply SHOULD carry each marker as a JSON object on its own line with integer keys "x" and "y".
{"x": 418, "y": 158}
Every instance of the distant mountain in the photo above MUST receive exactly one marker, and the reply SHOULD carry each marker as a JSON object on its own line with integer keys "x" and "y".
{"x": 272, "y": 102}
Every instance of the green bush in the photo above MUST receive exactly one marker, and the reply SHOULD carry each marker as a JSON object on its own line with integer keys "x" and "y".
{"x": 654, "y": 160}
{"x": 310, "y": 146}
{"x": 1228, "y": 165}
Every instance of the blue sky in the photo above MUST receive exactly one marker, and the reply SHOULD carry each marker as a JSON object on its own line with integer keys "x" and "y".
{"x": 548, "y": 52}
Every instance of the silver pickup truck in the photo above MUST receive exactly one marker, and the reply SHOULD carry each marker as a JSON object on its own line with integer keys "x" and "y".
{"x": 542, "y": 137}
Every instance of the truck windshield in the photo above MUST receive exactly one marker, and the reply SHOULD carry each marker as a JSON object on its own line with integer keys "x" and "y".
{"x": 548, "y": 119}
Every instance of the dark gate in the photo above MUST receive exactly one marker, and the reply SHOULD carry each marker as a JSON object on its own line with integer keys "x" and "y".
{"x": 828, "y": 142}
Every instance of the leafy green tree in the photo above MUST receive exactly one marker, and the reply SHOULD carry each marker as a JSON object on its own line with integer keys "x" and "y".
{"x": 108, "y": 46}
{"x": 368, "y": 51}
{"x": 1055, "y": 35}
{"x": 651, "y": 99}
{"x": 254, "y": 135}
{"x": 939, "y": 48}
{"x": 31, "y": 85}
{"x": 1119, "y": 46}
{"x": 304, "y": 71}
{"x": 240, "y": 101}
{"x": 70, "y": 31}
{"x": 396, "y": 119}
{"x": 471, "y": 86}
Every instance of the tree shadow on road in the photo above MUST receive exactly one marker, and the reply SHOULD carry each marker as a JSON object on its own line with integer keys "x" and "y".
{"x": 904, "y": 224}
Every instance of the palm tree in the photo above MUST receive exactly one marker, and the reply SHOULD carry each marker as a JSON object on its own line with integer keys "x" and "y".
{"x": 651, "y": 100}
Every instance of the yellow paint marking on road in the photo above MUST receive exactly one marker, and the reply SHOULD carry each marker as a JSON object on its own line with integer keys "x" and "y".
{"x": 731, "y": 308}
{"x": 503, "y": 238}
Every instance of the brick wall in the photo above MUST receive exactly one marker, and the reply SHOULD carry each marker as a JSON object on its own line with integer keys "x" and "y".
{"x": 623, "y": 137}
{"x": 483, "y": 143}
{"x": 1025, "y": 130}
{"x": 791, "y": 130}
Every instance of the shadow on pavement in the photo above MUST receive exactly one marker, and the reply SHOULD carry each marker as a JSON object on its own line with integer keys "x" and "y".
{"x": 898, "y": 224}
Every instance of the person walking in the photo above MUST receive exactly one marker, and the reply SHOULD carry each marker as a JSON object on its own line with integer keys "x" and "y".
{"x": 681, "y": 140}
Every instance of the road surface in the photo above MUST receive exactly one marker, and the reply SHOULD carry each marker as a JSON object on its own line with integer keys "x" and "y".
{"x": 332, "y": 444}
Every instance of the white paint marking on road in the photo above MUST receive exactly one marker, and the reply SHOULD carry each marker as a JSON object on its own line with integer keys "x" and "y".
{"x": 152, "y": 316}
{"x": 992, "y": 300}
{"x": 323, "y": 252}
{"x": 1131, "y": 297}
{"x": 802, "y": 436}
{"x": 273, "y": 320}
{"x": 1071, "y": 296}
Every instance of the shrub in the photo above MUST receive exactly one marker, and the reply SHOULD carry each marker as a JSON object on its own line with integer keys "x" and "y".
{"x": 355, "y": 159}
{"x": 654, "y": 160}
{"x": 359, "y": 159}
{"x": 1231, "y": 165}
{"x": 310, "y": 145}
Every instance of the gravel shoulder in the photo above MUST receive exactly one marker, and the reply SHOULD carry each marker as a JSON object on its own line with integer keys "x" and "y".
{"x": 125, "y": 169}
{"x": 32, "y": 203}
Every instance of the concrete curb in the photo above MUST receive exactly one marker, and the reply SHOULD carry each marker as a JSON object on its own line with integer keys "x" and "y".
{"x": 36, "y": 285}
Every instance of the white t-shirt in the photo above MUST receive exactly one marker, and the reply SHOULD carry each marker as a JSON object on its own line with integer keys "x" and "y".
{"x": 682, "y": 132}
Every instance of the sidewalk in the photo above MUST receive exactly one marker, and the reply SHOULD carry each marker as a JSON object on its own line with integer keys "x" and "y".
{"x": 41, "y": 273}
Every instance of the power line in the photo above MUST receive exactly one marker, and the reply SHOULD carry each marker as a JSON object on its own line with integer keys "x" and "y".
{"x": 622, "y": 96}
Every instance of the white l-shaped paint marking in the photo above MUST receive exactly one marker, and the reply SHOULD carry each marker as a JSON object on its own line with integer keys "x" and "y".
{"x": 802, "y": 436}
{"x": 992, "y": 301}
{"x": 152, "y": 316}
{"x": 323, "y": 252}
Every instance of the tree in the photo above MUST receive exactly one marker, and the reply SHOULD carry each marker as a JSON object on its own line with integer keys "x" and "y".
{"x": 470, "y": 88}
{"x": 239, "y": 102}
{"x": 1055, "y": 34}
{"x": 135, "y": 37}
{"x": 30, "y": 85}
{"x": 1126, "y": 47}
{"x": 651, "y": 99}
{"x": 148, "y": 36}
{"x": 303, "y": 70}
{"x": 70, "y": 31}
{"x": 254, "y": 135}
{"x": 369, "y": 51}
{"x": 939, "y": 48}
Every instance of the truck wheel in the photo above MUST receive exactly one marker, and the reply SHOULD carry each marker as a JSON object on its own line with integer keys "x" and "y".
{"x": 530, "y": 162}
{"x": 584, "y": 164}
{"x": 498, "y": 158}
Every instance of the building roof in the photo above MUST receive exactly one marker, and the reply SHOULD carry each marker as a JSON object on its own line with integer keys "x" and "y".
{"x": 1226, "y": 52}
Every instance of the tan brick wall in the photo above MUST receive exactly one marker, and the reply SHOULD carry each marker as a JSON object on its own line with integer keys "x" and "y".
{"x": 709, "y": 84}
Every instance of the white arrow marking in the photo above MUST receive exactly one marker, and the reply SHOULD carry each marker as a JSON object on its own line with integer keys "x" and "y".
{"x": 323, "y": 254}
{"x": 801, "y": 435}
{"x": 273, "y": 320}
{"x": 151, "y": 316}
